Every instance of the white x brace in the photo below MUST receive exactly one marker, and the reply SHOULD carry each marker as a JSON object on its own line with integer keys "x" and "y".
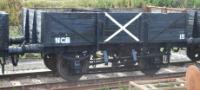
{"x": 122, "y": 28}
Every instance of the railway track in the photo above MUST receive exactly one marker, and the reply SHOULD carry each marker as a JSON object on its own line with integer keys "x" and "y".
{"x": 48, "y": 80}
{"x": 91, "y": 71}
{"x": 113, "y": 83}
{"x": 92, "y": 84}
{"x": 33, "y": 74}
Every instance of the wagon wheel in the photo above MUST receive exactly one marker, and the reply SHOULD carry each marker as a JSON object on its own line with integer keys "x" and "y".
{"x": 193, "y": 53}
{"x": 150, "y": 65}
{"x": 66, "y": 72}
{"x": 50, "y": 62}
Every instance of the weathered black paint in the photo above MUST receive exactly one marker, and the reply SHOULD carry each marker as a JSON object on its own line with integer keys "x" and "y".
{"x": 82, "y": 27}
{"x": 4, "y": 38}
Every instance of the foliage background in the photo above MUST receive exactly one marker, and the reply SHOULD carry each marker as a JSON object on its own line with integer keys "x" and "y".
{"x": 13, "y": 7}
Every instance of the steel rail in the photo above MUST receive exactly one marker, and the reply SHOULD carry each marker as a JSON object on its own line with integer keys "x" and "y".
{"x": 93, "y": 83}
{"x": 91, "y": 71}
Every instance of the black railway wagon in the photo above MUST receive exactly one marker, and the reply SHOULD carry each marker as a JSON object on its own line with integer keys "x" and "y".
{"x": 70, "y": 40}
{"x": 3, "y": 33}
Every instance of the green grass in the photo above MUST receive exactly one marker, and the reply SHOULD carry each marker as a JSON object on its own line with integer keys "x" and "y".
{"x": 14, "y": 31}
{"x": 13, "y": 7}
{"x": 111, "y": 3}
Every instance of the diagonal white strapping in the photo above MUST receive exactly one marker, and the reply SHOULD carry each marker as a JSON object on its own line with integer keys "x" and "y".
{"x": 122, "y": 28}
